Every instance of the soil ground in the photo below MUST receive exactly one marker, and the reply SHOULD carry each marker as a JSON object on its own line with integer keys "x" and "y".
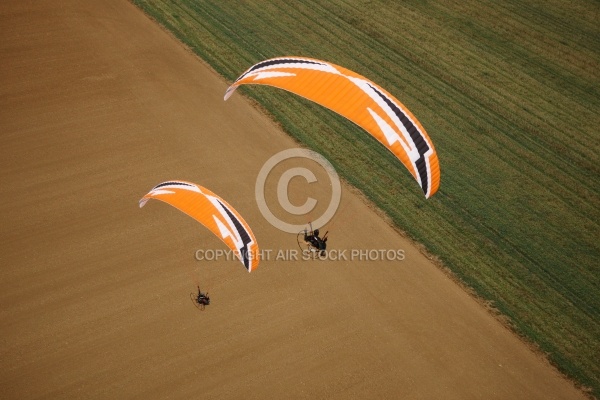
{"x": 97, "y": 105}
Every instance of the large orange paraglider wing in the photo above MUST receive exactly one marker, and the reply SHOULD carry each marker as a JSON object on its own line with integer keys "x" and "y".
{"x": 359, "y": 100}
{"x": 214, "y": 213}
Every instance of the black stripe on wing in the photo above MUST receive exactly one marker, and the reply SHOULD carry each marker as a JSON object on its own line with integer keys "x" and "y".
{"x": 278, "y": 61}
{"x": 244, "y": 235}
{"x": 415, "y": 135}
{"x": 172, "y": 183}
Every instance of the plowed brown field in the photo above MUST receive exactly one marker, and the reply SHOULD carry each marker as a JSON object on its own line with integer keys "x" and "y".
{"x": 97, "y": 105}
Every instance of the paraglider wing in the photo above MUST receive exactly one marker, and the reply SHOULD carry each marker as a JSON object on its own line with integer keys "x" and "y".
{"x": 214, "y": 213}
{"x": 359, "y": 100}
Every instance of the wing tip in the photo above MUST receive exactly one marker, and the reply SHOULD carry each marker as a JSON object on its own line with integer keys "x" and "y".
{"x": 229, "y": 92}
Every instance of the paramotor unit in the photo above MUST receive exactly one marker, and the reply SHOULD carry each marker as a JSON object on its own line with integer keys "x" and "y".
{"x": 200, "y": 300}
{"x": 310, "y": 243}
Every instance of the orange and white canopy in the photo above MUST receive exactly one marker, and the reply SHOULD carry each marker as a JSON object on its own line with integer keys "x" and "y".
{"x": 214, "y": 213}
{"x": 361, "y": 101}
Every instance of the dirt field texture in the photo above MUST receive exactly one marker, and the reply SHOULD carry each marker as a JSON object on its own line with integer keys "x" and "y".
{"x": 97, "y": 105}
